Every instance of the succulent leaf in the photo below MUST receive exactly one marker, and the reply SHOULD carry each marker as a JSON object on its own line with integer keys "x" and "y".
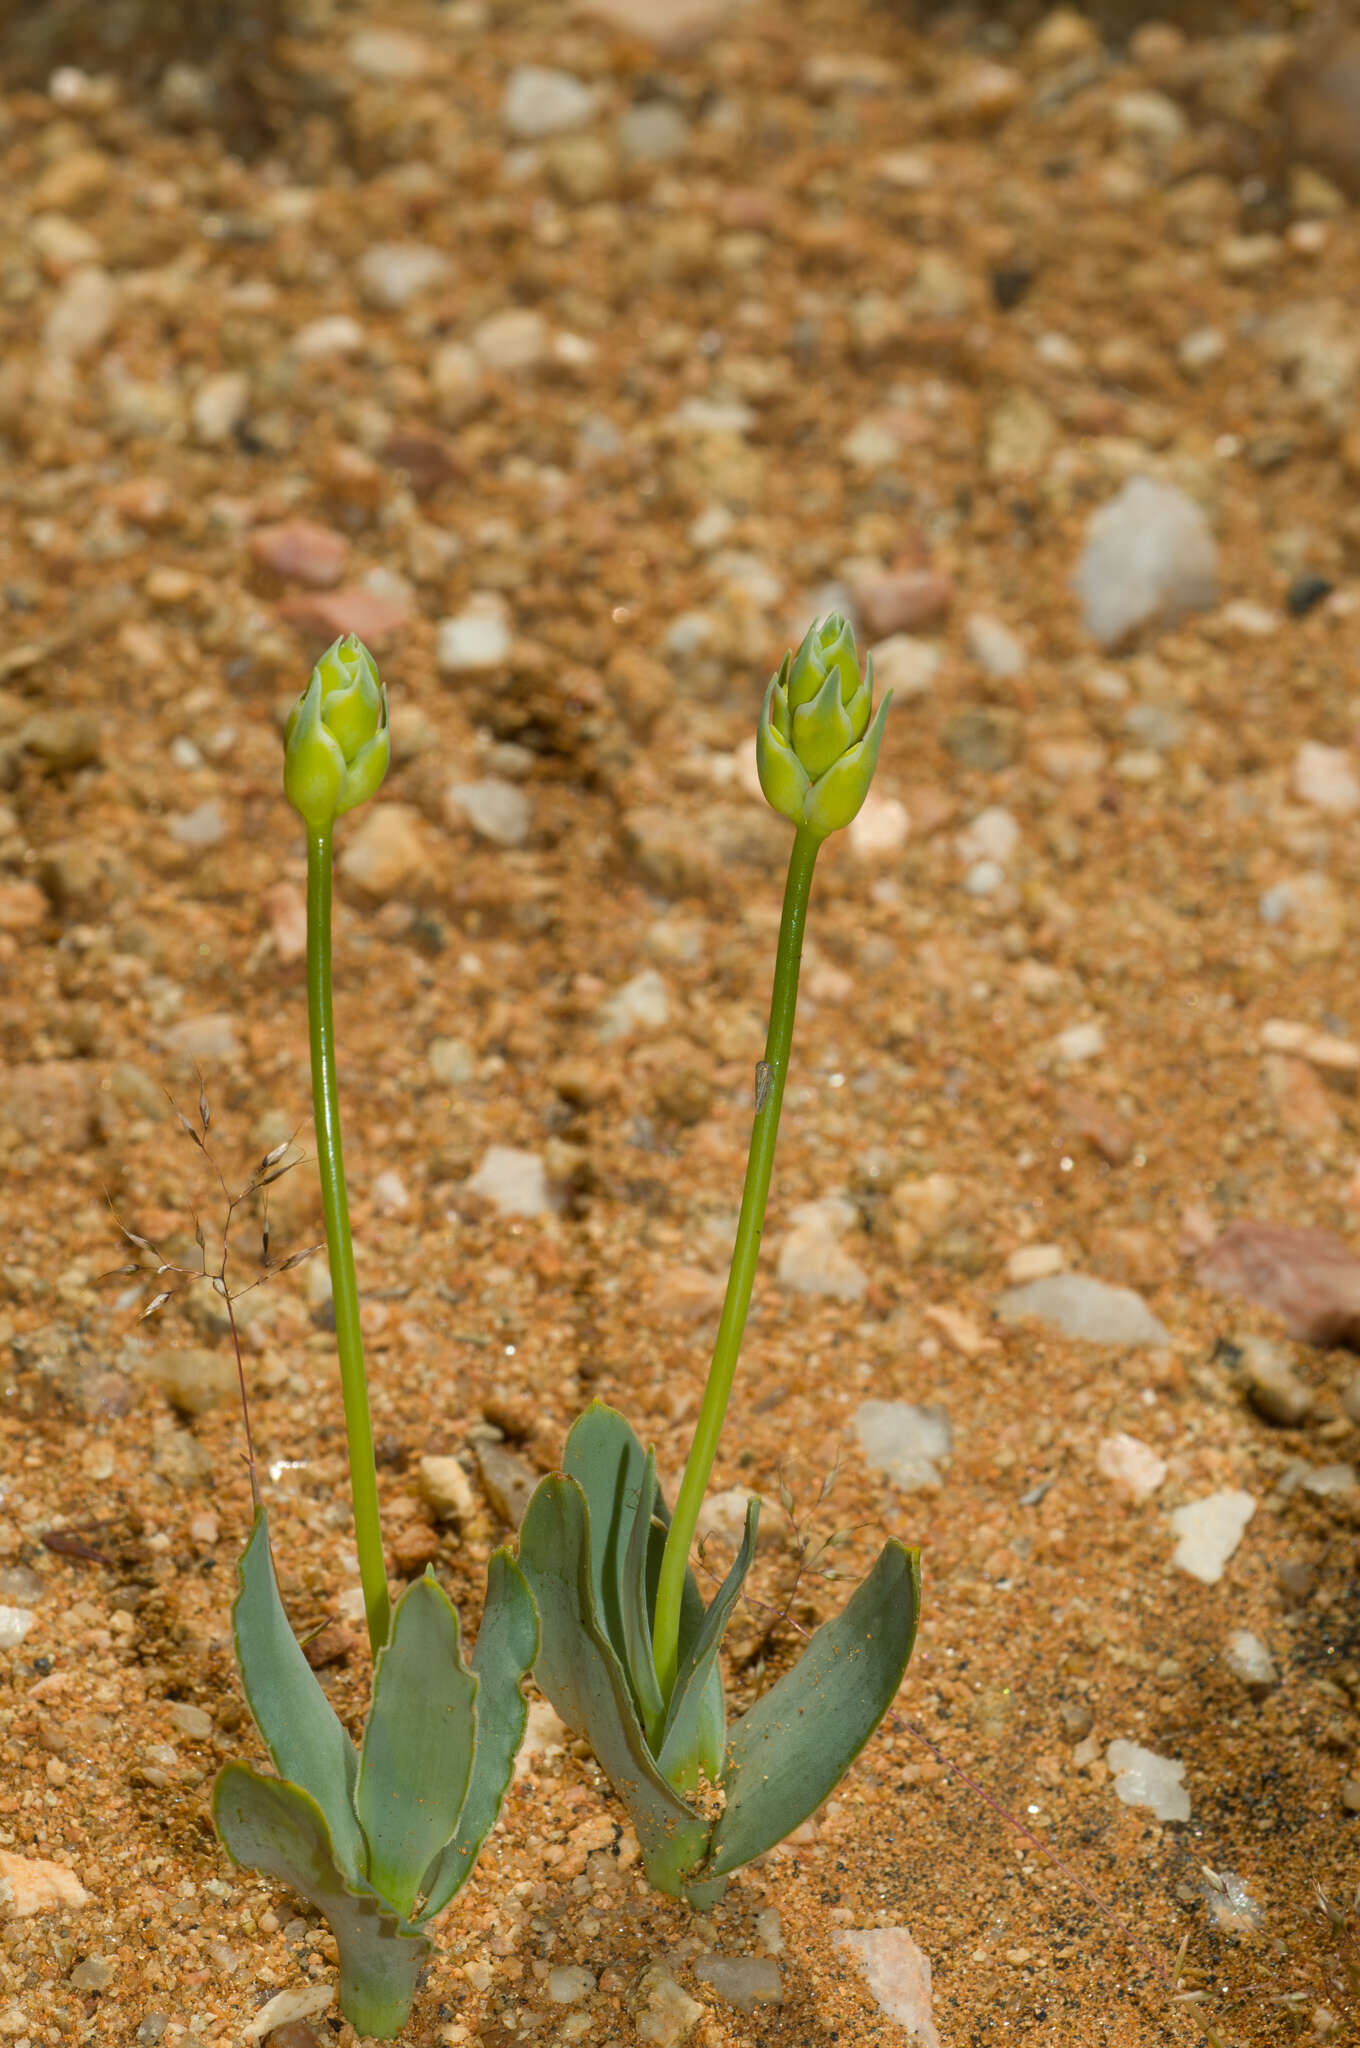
{"x": 507, "y": 1644}
{"x": 270, "y": 1825}
{"x": 296, "y": 1720}
{"x": 416, "y": 1760}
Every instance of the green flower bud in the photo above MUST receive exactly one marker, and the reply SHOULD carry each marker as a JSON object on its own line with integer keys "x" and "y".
{"x": 815, "y": 745}
{"x": 335, "y": 743}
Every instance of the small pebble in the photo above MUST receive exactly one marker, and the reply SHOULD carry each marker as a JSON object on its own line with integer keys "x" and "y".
{"x": 496, "y": 810}
{"x": 515, "y": 1182}
{"x": 1248, "y": 1659}
{"x": 1131, "y": 1466}
{"x": 540, "y": 102}
{"x": 909, "y": 1443}
{"x": 1142, "y": 1778}
{"x": 1208, "y": 1532}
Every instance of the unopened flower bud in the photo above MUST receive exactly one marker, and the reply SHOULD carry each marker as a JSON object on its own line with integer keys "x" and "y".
{"x": 336, "y": 743}
{"x": 815, "y": 745}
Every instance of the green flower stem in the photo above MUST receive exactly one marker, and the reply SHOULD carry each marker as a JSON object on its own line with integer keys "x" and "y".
{"x": 745, "y": 1252}
{"x": 349, "y": 1342}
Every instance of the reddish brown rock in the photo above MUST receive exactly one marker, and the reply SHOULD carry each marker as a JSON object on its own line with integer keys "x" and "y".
{"x": 301, "y": 551}
{"x": 1309, "y": 1278}
{"x": 325, "y": 615}
{"x": 902, "y": 601}
{"x": 1097, "y": 1123}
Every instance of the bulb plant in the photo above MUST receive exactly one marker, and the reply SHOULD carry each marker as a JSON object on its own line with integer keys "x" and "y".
{"x": 629, "y": 1651}
{"x": 380, "y": 1838}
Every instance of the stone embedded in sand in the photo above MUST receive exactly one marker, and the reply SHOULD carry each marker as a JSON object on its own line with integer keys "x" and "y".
{"x": 569, "y": 1984}
{"x": 1142, "y": 1778}
{"x": 515, "y": 1182}
{"x": 1149, "y": 560}
{"x": 386, "y": 851}
{"x": 15, "y": 1623}
{"x": 497, "y": 810}
{"x": 812, "y": 1259}
{"x": 640, "y": 1004}
{"x": 30, "y": 1884}
{"x": 1325, "y": 777}
{"x": 194, "y": 1380}
{"x": 908, "y": 1443}
{"x": 540, "y": 102}
{"x": 745, "y": 1982}
{"x": 898, "y": 1975}
{"x": 1131, "y": 1466}
{"x": 1208, "y": 1532}
{"x": 1309, "y": 1278}
{"x": 446, "y": 1489}
{"x": 1250, "y": 1662}
{"x": 303, "y": 550}
{"x": 1088, "y": 1309}
{"x": 392, "y": 274}
{"x": 300, "y": 2002}
{"x": 668, "y": 2015}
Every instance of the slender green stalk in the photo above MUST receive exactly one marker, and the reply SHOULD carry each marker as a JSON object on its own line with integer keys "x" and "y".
{"x": 745, "y": 1252}
{"x": 349, "y": 1342}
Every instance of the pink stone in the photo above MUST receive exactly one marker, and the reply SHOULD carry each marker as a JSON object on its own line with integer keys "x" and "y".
{"x": 302, "y": 551}
{"x": 902, "y": 601}
{"x": 326, "y": 615}
{"x": 1309, "y": 1278}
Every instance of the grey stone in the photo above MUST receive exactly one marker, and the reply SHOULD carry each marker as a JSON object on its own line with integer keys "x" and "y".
{"x": 194, "y": 1722}
{"x": 540, "y": 102}
{"x": 1273, "y": 1387}
{"x": 746, "y": 1982}
{"x": 193, "y": 1381}
{"x": 1249, "y": 1661}
{"x": 812, "y": 1259}
{"x": 1091, "y": 1310}
{"x": 908, "y": 1443}
{"x": 1149, "y": 561}
{"x": 653, "y": 132}
{"x": 665, "y": 2014}
{"x": 496, "y": 810}
{"x": 641, "y": 1004}
{"x": 569, "y": 1984}
{"x": 212, "y": 1037}
{"x": 392, "y": 274}
{"x": 508, "y": 1482}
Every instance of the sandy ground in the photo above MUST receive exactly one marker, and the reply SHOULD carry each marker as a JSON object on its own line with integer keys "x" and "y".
{"x": 851, "y": 312}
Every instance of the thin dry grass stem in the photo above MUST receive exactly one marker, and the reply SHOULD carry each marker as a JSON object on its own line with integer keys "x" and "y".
{"x": 271, "y": 1168}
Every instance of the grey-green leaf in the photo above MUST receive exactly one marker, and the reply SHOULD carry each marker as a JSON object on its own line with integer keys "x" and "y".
{"x": 418, "y": 1742}
{"x": 298, "y": 1723}
{"x": 579, "y": 1672}
{"x": 270, "y": 1825}
{"x": 506, "y": 1647}
{"x": 686, "y": 1738}
{"x": 636, "y": 1646}
{"x": 604, "y": 1457}
{"x": 797, "y": 1742}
